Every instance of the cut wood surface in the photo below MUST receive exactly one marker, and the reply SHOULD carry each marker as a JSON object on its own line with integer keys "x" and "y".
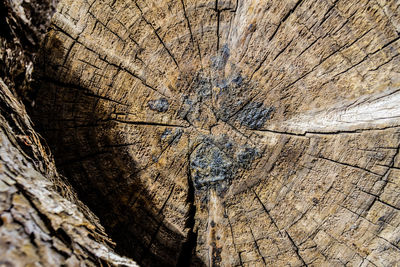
{"x": 229, "y": 133}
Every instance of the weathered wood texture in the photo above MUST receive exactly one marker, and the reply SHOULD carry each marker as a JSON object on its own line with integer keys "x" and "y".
{"x": 42, "y": 222}
{"x": 253, "y": 132}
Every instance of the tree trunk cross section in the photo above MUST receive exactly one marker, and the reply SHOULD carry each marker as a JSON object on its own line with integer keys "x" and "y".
{"x": 229, "y": 133}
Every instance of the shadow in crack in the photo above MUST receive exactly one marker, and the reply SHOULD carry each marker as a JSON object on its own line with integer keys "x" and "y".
{"x": 93, "y": 153}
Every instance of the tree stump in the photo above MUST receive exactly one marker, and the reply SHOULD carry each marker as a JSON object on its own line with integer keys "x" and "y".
{"x": 230, "y": 133}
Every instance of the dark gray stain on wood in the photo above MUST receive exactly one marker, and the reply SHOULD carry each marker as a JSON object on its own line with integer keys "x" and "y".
{"x": 216, "y": 161}
{"x": 209, "y": 165}
{"x": 254, "y": 115}
{"x": 160, "y": 105}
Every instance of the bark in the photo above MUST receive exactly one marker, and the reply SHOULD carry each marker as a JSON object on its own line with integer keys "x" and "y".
{"x": 229, "y": 133}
